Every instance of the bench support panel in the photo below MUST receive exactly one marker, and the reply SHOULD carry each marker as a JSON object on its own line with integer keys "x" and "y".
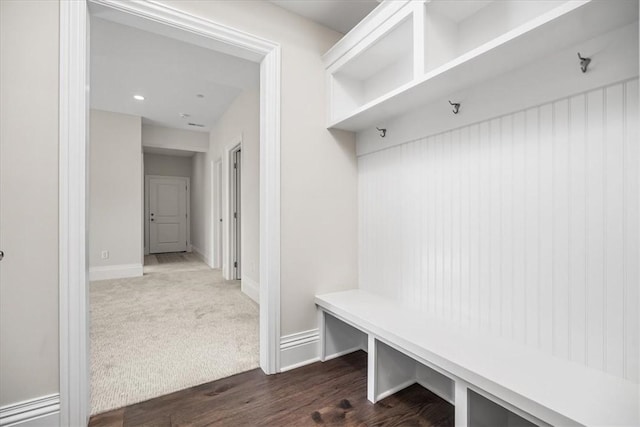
{"x": 461, "y": 404}
{"x": 394, "y": 370}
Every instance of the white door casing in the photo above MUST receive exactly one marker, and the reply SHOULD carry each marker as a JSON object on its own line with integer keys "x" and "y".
{"x": 168, "y": 214}
{"x": 236, "y": 212}
{"x": 73, "y": 138}
{"x": 227, "y": 206}
{"x": 217, "y": 214}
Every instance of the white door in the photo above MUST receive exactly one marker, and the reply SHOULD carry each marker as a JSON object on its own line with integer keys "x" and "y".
{"x": 167, "y": 214}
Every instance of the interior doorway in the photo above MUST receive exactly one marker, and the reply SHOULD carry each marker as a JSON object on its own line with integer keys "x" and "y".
{"x": 236, "y": 207}
{"x": 74, "y": 50}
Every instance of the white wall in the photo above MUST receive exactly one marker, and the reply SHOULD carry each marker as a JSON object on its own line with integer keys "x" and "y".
{"x": 116, "y": 191}
{"x": 240, "y": 121}
{"x": 28, "y": 200}
{"x": 318, "y": 167}
{"x": 160, "y": 164}
{"x": 174, "y": 139}
{"x": 318, "y": 177}
{"x": 201, "y": 206}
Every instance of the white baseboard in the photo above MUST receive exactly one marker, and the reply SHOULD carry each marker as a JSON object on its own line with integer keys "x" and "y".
{"x": 395, "y": 389}
{"x": 203, "y": 255}
{"x": 115, "y": 272}
{"x": 251, "y": 289}
{"x": 39, "y": 412}
{"x": 299, "y": 349}
{"x": 343, "y": 353}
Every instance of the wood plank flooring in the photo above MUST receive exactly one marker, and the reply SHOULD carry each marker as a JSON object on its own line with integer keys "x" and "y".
{"x": 333, "y": 393}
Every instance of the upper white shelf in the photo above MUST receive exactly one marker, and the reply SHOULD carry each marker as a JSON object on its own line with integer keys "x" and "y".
{"x": 409, "y": 54}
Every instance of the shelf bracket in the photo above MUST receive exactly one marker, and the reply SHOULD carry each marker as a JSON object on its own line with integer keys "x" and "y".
{"x": 383, "y": 132}
{"x": 584, "y": 63}
{"x": 456, "y": 107}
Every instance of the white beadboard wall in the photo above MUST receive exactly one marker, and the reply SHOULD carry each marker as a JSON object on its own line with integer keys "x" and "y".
{"x": 525, "y": 226}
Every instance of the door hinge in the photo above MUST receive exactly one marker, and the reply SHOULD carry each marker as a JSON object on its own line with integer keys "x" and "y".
{"x": 235, "y": 215}
{"x": 235, "y": 264}
{"x": 235, "y": 166}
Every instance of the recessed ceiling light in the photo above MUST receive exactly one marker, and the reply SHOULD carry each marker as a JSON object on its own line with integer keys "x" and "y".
{"x": 184, "y": 115}
{"x": 138, "y": 97}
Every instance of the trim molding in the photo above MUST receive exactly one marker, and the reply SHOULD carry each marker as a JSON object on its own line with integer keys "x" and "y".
{"x": 72, "y": 232}
{"x": 299, "y": 349}
{"x": 251, "y": 288}
{"x": 202, "y": 255}
{"x": 120, "y": 271}
{"x": 32, "y": 411}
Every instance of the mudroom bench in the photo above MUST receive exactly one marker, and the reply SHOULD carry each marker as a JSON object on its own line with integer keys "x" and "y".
{"x": 460, "y": 365}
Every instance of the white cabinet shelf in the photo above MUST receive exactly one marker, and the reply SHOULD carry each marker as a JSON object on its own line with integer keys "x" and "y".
{"x": 377, "y": 77}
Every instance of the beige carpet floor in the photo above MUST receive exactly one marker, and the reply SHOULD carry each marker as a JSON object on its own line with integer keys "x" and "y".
{"x": 178, "y": 326}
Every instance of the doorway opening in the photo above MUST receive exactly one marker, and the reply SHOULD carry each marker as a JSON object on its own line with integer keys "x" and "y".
{"x": 74, "y": 49}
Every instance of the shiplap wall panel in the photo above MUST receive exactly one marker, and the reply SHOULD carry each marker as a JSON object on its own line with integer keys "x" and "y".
{"x": 577, "y": 230}
{"x": 525, "y": 226}
{"x": 631, "y": 248}
{"x": 595, "y": 231}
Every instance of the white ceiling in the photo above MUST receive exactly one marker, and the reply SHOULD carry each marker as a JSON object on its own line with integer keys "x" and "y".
{"x": 343, "y": 15}
{"x": 339, "y": 15}
{"x": 458, "y": 10}
{"x": 167, "y": 72}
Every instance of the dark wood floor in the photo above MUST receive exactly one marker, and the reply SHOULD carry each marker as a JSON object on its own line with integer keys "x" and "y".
{"x": 333, "y": 393}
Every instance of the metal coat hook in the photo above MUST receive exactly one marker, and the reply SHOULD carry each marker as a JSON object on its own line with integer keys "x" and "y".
{"x": 383, "y": 132}
{"x": 456, "y": 107}
{"x": 584, "y": 63}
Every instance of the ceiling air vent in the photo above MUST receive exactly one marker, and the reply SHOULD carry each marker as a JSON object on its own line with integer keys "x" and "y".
{"x": 196, "y": 125}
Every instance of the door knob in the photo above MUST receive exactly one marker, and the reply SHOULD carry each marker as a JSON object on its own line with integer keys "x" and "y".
{"x": 151, "y": 219}
{"x": 1, "y": 255}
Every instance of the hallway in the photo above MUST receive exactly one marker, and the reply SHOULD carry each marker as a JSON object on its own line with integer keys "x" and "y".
{"x": 178, "y": 326}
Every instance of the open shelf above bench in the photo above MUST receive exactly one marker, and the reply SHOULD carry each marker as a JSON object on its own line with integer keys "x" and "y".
{"x": 452, "y": 49}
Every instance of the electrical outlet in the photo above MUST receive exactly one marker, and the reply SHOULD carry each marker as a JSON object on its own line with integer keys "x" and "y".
{"x": 104, "y": 255}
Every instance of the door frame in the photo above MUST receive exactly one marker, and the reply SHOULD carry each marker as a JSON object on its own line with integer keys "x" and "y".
{"x": 147, "y": 236}
{"x": 216, "y": 214}
{"x": 73, "y": 176}
{"x": 226, "y": 208}
{"x": 235, "y": 222}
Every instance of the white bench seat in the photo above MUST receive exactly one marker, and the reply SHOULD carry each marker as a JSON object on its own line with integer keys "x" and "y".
{"x": 553, "y": 390}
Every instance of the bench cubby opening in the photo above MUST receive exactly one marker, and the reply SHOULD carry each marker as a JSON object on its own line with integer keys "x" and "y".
{"x": 393, "y": 370}
{"x": 484, "y": 412}
{"x": 338, "y": 338}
